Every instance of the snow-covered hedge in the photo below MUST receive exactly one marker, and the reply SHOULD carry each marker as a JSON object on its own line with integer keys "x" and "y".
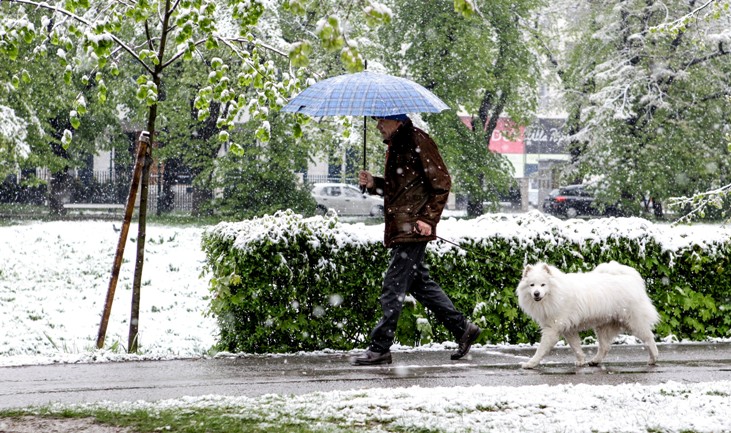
{"x": 284, "y": 283}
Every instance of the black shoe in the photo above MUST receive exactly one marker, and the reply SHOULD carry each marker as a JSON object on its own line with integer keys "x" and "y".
{"x": 370, "y": 357}
{"x": 469, "y": 337}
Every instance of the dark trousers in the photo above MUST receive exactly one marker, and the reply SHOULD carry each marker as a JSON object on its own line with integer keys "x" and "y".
{"x": 407, "y": 274}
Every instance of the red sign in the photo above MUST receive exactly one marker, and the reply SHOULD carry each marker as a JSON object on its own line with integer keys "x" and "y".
{"x": 506, "y": 138}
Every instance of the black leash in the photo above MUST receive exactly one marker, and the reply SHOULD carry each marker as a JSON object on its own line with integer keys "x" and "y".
{"x": 450, "y": 242}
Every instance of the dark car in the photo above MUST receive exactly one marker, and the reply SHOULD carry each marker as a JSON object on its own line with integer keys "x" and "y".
{"x": 575, "y": 200}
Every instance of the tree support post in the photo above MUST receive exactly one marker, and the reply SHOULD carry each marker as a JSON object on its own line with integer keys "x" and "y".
{"x": 142, "y": 144}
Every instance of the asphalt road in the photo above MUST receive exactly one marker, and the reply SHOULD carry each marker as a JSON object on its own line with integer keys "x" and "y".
{"x": 303, "y": 373}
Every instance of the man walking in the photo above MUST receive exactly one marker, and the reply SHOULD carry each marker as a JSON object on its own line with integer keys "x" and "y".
{"x": 415, "y": 188}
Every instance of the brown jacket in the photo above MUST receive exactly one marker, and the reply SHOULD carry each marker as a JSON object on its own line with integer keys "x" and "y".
{"x": 415, "y": 185}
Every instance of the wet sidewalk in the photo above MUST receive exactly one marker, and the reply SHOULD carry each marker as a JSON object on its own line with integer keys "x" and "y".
{"x": 257, "y": 375}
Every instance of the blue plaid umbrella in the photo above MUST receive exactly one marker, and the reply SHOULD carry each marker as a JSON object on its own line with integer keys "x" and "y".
{"x": 365, "y": 94}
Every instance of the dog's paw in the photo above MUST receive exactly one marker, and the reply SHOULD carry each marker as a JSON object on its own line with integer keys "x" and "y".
{"x": 527, "y": 365}
{"x": 580, "y": 363}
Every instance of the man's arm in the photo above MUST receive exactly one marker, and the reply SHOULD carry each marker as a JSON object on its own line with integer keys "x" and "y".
{"x": 437, "y": 178}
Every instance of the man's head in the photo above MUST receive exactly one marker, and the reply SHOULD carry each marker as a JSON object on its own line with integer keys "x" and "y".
{"x": 387, "y": 125}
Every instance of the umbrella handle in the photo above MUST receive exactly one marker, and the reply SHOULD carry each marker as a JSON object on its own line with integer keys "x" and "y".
{"x": 362, "y": 187}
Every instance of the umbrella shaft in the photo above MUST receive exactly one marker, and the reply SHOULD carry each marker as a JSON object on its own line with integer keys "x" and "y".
{"x": 364, "y": 143}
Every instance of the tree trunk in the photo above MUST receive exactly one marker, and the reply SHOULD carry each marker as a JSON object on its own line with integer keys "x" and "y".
{"x": 201, "y": 197}
{"x": 657, "y": 210}
{"x": 58, "y": 193}
{"x": 167, "y": 197}
{"x": 134, "y": 321}
{"x": 474, "y": 208}
{"x": 142, "y": 227}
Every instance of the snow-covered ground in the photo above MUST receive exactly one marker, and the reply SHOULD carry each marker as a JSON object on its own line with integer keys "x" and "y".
{"x": 53, "y": 284}
{"x": 54, "y": 278}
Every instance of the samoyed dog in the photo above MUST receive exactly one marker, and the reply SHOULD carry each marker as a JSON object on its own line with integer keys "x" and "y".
{"x": 609, "y": 299}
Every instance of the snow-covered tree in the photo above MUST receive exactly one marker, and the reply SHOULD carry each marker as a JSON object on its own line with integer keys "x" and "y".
{"x": 13, "y": 145}
{"x": 714, "y": 203}
{"x": 646, "y": 85}
{"x": 32, "y": 91}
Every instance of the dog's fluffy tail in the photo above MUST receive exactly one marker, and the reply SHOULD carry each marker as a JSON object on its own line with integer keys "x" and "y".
{"x": 615, "y": 268}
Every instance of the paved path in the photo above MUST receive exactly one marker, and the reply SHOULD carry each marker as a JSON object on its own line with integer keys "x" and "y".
{"x": 297, "y": 374}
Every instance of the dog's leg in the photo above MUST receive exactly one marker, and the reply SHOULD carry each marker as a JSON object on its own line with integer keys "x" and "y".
{"x": 605, "y": 334}
{"x": 572, "y": 337}
{"x": 648, "y": 338}
{"x": 549, "y": 338}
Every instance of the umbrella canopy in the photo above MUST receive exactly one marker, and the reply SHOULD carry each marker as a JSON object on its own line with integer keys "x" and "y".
{"x": 365, "y": 94}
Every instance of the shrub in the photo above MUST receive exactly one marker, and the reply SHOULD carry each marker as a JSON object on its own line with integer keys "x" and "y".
{"x": 285, "y": 283}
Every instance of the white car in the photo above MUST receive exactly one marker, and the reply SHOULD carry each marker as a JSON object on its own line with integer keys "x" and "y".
{"x": 346, "y": 200}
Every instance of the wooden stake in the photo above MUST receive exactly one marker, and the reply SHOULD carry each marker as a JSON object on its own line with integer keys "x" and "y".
{"x": 142, "y": 143}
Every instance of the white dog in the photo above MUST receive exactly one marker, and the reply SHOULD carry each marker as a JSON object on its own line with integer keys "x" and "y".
{"x": 609, "y": 299}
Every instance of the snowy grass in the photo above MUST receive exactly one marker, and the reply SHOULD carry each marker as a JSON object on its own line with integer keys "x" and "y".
{"x": 54, "y": 278}
{"x": 670, "y": 407}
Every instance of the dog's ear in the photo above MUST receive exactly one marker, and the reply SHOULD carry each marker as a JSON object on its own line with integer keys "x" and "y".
{"x": 526, "y": 269}
{"x": 547, "y": 268}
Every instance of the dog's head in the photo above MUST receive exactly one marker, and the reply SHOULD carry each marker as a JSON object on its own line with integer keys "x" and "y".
{"x": 536, "y": 282}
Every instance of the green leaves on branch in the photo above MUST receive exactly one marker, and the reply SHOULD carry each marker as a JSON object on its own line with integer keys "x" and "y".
{"x": 147, "y": 91}
{"x": 67, "y": 75}
{"x": 218, "y": 78}
{"x": 9, "y": 49}
{"x": 351, "y": 58}
{"x": 377, "y": 14}
{"x": 295, "y": 7}
{"x": 465, "y": 7}
{"x": 264, "y": 133}
{"x": 247, "y": 12}
{"x": 223, "y": 136}
{"x": 101, "y": 90}
{"x": 66, "y": 138}
{"x": 100, "y": 45}
{"x": 74, "y": 119}
{"x": 299, "y": 54}
{"x": 195, "y": 18}
{"x": 140, "y": 11}
{"x": 202, "y": 102}
{"x": 149, "y": 54}
{"x": 12, "y": 34}
{"x": 72, "y": 5}
{"x": 24, "y": 78}
{"x": 78, "y": 110}
{"x": 331, "y": 36}
{"x": 330, "y": 33}
{"x": 80, "y": 105}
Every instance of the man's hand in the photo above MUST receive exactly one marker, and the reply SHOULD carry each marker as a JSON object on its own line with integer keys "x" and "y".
{"x": 422, "y": 228}
{"x": 365, "y": 178}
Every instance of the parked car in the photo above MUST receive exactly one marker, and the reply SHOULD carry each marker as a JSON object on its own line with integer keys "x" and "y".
{"x": 575, "y": 200}
{"x": 346, "y": 200}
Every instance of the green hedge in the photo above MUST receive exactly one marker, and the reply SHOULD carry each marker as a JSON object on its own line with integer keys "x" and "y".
{"x": 284, "y": 283}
